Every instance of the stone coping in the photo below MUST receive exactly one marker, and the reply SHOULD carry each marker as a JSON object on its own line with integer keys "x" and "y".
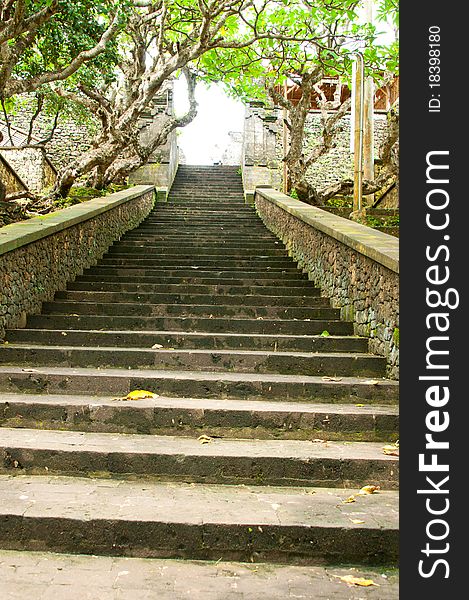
{"x": 376, "y": 245}
{"x": 15, "y": 235}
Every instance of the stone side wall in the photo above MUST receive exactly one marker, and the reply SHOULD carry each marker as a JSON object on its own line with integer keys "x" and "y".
{"x": 263, "y": 148}
{"x": 160, "y": 174}
{"x": 34, "y": 265}
{"x": 32, "y": 166}
{"x": 337, "y": 164}
{"x": 71, "y": 137}
{"x": 9, "y": 177}
{"x": 348, "y": 267}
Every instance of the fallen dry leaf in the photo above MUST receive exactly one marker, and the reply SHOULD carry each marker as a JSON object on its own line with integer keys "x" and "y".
{"x": 391, "y": 449}
{"x": 30, "y": 370}
{"x": 349, "y": 500}
{"x": 357, "y": 521}
{"x": 369, "y": 489}
{"x": 204, "y": 439}
{"x": 138, "y": 395}
{"x": 332, "y": 378}
{"x": 371, "y": 381}
{"x": 360, "y": 405}
{"x": 361, "y": 581}
{"x": 156, "y": 346}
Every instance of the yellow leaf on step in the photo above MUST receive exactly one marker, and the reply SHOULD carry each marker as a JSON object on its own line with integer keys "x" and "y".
{"x": 369, "y": 489}
{"x": 391, "y": 450}
{"x": 349, "y": 500}
{"x": 140, "y": 395}
{"x": 361, "y": 581}
{"x": 204, "y": 439}
{"x": 357, "y": 521}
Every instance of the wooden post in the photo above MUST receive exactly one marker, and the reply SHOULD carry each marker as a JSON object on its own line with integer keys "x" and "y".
{"x": 285, "y": 141}
{"x": 368, "y": 128}
{"x": 358, "y": 135}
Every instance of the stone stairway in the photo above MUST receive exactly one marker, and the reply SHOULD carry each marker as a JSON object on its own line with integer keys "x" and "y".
{"x": 201, "y": 306}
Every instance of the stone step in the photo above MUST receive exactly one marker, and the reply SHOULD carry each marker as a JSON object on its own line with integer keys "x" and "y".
{"x": 254, "y": 280}
{"x": 222, "y": 217}
{"x": 206, "y": 271}
{"x": 188, "y": 310}
{"x": 196, "y": 324}
{"x": 70, "y": 576}
{"x": 222, "y": 239}
{"x": 202, "y": 228}
{"x": 212, "y": 288}
{"x": 205, "y": 521}
{"x": 220, "y": 361}
{"x": 222, "y": 461}
{"x": 122, "y": 266}
{"x": 220, "y": 199}
{"x": 194, "y": 299}
{"x": 245, "y": 419}
{"x": 161, "y": 258}
{"x": 246, "y": 386}
{"x": 201, "y": 250}
{"x": 236, "y": 222}
{"x": 164, "y": 242}
{"x": 223, "y": 255}
{"x": 236, "y": 209}
{"x": 186, "y": 340}
{"x": 220, "y": 261}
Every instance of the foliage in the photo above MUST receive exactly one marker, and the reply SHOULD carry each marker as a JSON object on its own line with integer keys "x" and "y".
{"x": 43, "y": 41}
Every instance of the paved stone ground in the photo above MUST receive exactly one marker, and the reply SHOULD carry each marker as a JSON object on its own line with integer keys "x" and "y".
{"x": 42, "y": 576}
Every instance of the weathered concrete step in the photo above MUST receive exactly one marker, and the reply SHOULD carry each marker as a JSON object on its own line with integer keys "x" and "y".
{"x": 203, "y": 184}
{"x": 165, "y": 260}
{"x": 172, "y": 271}
{"x": 212, "y": 288}
{"x": 212, "y": 190}
{"x": 247, "y": 386}
{"x": 207, "y": 187}
{"x": 204, "y": 521}
{"x": 41, "y": 574}
{"x": 117, "y": 261}
{"x": 232, "y": 201}
{"x": 186, "y": 282}
{"x": 234, "y": 223}
{"x": 207, "y": 209}
{"x": 198, "y": 299}
{"x": 232, "y": 461}
{"x": 220, "y": 361}
{"x": 188, "y": 310}
{"x": 199, "y": 324}
{"x": 250, "y": 228}
{"x": 207, "y": 259}
{"x": 171, "y": 339}
{"x": 203, "y": 250}
{"x": 125, "y": 267}
{"x": 183, "y": 213}
{"x": 196, "y": 416}
{"x": 219, "y": 237}
{"x": 219, "y": 201}
{"x": 235, "y": 219}
{"x": 163, "y": 241}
